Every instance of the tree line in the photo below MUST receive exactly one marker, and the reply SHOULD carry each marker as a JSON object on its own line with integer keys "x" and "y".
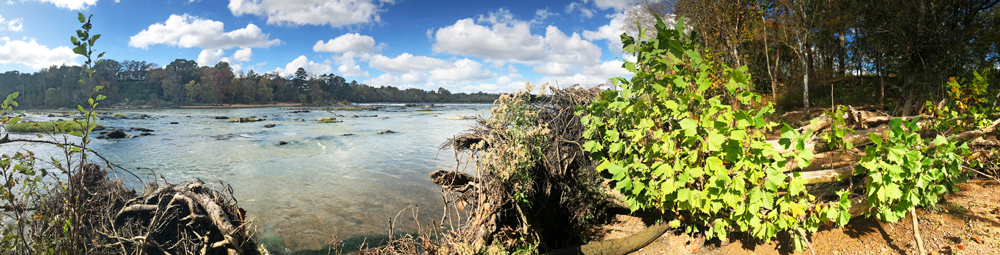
{"x": 183, "y": 82}
{"x": 810, "y": 53}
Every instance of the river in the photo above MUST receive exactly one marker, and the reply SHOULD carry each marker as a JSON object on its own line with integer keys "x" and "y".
{"x": 321, "y": 187}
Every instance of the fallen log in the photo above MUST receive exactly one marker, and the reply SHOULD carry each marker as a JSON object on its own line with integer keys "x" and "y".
{"x": 618, "y": 246}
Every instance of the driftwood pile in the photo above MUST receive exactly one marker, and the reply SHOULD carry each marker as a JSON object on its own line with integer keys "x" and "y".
{"x": 831, "y": 164}
{"x": 559, "y": 198}
{"x": 187, "y": 218}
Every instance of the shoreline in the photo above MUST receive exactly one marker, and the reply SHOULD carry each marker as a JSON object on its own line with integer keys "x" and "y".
{"x": 240, "y": 106}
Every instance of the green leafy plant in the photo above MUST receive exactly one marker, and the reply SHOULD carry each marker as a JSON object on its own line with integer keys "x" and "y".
{"x": 671, "y": 143}
{"x": 906, "y": 171}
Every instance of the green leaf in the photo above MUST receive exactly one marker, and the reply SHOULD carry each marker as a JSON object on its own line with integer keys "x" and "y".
{"x": 715, "y": 165}
{"x": 81, "y": 17}
{"x": 689, "y": 126}
{"x": 80, "y": 50}
{"x": 715, "y": 140}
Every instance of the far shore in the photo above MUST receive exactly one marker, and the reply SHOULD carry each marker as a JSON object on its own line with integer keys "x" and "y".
{"x": 241, "y": 105}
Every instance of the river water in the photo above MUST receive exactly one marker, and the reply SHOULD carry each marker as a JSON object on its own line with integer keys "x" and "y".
{"x": 320, "y": 187}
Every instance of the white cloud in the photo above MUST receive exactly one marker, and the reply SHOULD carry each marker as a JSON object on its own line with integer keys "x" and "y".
{"x": 551, "y": 68}
{"x": 610, "y": 32}
{"x": 190, "y": 31}
{"x": 618, "y": 5}
{"x": 431, "y": 73}
{"x": 511, "y": 40}
{"x": 211, "y": 57}
{"x": 32, "y": 54}
{"x": 607, "y": 69}
{"x": 14, "y": 25}
{"x": 570, "y": 49}
{"x": 70, "y": 4}
{"x": 312, "y": 68}
{"x": 463, "y": 69}
{"x": 501, "y": 42}
{"x": 347, "y": 42}
{"x": 541, "y": 15}
{"x": 578, "y": 7}
{"x": 406, "y": 62}
{"x": 351, "y": 68}
{"x": 243, "y": 54}
{"x": 336, "y": 13}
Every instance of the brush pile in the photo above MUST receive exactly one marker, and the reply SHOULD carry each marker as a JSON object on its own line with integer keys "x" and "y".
{"x": 533, "y": 186}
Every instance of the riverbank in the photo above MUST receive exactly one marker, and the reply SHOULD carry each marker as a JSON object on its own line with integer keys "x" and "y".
{"x": 240, "y": 106}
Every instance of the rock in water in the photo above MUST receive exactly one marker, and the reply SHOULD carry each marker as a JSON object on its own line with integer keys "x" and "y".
{"x": 114, "y": 134}
{"x": 221, "y": 117}
{"x": 270, "y": 125}
{"x": 280, "y": 143}
{"x": 385, "y": 132}
{"x": 174, "y": 122}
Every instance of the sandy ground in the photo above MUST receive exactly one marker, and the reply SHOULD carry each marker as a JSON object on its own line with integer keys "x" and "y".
{"x": 967, "y": 222}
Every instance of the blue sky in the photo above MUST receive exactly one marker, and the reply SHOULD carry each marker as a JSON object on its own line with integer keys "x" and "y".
{"x": 464, "y": 46}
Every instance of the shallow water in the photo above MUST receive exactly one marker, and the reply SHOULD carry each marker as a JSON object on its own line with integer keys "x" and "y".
{"x": 321, "y": 186}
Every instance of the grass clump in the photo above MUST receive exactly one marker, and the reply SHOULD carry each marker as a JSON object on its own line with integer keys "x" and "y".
{"x": 55, "y": 126}
{"x": 328, "y": 120}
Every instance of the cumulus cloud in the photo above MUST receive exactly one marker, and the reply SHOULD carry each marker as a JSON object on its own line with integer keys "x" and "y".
{"x": 13, "y": 25}
{"x": 463, "y": 69}
{"x": 610, "y": 32}
{"x": 336, "y": 13}
{"x": 407, "y": 69}
{"x": 570, "y": 49}
{"x": 70, "y": 4}
{"x": 243, "y": 54}
{"x": 551, "y": 68}
{"x": 30, "y": 53}
{"x": 311, "y": 67}
{"x": 188, "y": 31}
{"x": 351, "y": 68}
{"x": 347, "y": 42}
{"x": 211, "y": 57}
{"x": 511, "y": 40}
{"x": 502, "y": 41}
{"x": 406, "y": 62}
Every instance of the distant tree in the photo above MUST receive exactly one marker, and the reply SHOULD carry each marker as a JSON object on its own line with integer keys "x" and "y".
{"x": 299, "y": 80}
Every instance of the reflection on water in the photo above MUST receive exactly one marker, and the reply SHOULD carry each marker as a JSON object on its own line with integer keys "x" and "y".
{"x": 323, "y": 185}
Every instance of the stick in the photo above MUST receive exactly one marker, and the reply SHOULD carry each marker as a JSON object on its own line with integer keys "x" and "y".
{"x": 916, "y": 231}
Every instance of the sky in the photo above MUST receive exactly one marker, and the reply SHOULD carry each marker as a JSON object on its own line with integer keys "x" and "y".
{"x": 461, "y": 45}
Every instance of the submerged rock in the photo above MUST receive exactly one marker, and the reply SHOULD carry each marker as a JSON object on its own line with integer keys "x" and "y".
{"x": 141, "y": 129}
{"x": 221, "y": 117}
{"x": 280, "y": 143}
{"x": 99, "y": 127}
{"x": 348, "y": 134}
{"x": 385, "y": 132}
{"x": 174, "y": 122}
{"x": 270, "y": 125}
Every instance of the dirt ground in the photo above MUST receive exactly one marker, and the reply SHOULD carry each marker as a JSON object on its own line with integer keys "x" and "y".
{"x": 967, "y": 222}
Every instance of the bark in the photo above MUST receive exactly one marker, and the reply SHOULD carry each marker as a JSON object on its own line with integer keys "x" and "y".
{"x": 619, "y": 246}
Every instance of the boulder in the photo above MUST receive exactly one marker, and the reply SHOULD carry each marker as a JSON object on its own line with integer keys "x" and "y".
{"x": 145, "y": 134}
{"x": 99, "y": 127}
{"x": 114, "y": 134}
{"x": 270, "y": 125}
{"x": 280, "y": 143}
